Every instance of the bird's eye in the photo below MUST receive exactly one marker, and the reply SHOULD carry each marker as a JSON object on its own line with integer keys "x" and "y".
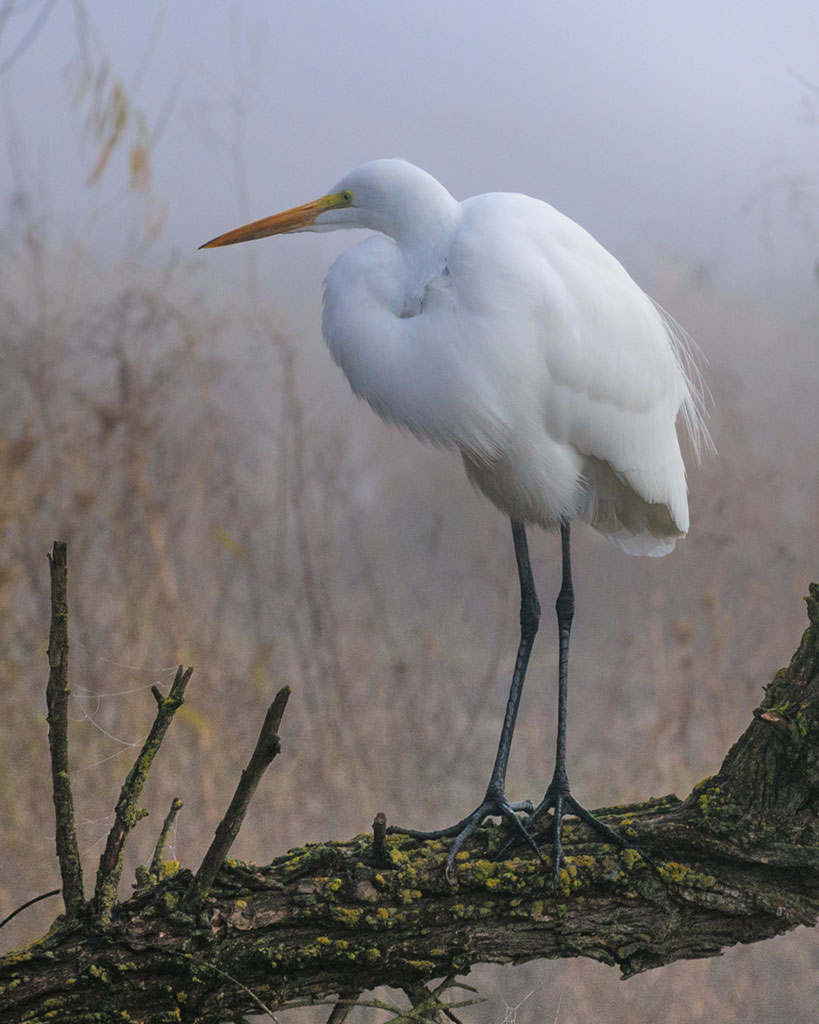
{"x": 347, "y": 197}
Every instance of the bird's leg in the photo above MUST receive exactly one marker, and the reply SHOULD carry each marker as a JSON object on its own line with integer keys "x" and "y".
{"x": 495, "y": 801}
{"x": 529, "y": 621}
{"x": 564, "y": 606}
{"x": 558, "y": 796}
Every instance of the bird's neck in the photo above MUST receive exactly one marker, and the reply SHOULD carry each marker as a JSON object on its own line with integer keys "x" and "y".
{"x": 424, "y": 243}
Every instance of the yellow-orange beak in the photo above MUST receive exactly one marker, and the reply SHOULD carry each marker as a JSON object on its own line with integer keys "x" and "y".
{"x": 299, "y": 217}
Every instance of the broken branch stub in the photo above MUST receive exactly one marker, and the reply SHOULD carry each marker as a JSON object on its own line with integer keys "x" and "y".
{"x": 267, "y": 747}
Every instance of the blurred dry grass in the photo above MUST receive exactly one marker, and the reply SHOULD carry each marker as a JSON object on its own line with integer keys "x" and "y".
{"x": 228, "y": 510}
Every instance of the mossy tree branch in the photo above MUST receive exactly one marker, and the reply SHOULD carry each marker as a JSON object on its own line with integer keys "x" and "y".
{"x": 57, "y": 694}
{"x": 127, "y": 814}
{"x": 735, "y": 861}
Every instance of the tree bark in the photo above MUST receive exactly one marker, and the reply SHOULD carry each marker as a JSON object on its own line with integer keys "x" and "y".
{"x": 57, "y": 694}
{"x": 735, "y": 861}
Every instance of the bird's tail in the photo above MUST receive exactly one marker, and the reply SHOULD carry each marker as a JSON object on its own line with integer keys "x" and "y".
{"x": 694, "y": 409}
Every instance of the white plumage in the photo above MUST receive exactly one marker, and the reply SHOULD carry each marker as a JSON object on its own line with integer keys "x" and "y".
{"x": 499, "y": 327}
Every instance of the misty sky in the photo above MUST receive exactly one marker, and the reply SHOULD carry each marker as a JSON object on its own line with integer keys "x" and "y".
{"x": 650, "y": 124}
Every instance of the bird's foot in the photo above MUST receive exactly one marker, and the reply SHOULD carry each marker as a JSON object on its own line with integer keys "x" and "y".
{"x": 560, "y": 801}
{"x": 493, "y": 805}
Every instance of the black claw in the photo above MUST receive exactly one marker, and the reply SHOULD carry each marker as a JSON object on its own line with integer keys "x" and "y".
{"x": 495, "y": 806}
{"x": 441, "y": 833}
{"x": 561, "y": 803}
{"x": 557, "y": 842}
{"x": 522, "y": 831}
{"x": 472, "y": 824}
{"x": 599, "y": 826}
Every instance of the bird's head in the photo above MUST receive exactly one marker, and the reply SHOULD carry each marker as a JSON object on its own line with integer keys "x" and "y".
{"x": 391, "y": 196}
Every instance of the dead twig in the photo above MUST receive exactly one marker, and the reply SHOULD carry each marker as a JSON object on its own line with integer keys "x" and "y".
{"x": 26, "y": 905}
{"x": 267, "y": 747}
{"x": 57, "y": 693}
{"x": 341, "y": 1011}
{"x": 426, "y": 1006}
{"x": 127, "y": 814}
{"x": 159, "y": 850}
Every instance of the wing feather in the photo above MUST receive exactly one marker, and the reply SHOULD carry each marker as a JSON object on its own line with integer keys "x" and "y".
{"x": 616, "y": 373}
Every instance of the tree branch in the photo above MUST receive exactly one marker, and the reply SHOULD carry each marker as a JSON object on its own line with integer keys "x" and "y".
{"x": 736, "y": 861}
{"x": 159, "y": 850}
{"x": 268, "y": 746}
{"x": 341, "y": 1011}
{"x": 127, "y": 814}
{"x": 57, "y": 694}
{"x": 27, "y": 904}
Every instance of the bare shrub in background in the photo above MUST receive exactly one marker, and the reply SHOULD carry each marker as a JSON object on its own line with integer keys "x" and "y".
{"x": 226, "y": 509}
{"x": 218, "y": 516}
{"x": 165, "y": 439}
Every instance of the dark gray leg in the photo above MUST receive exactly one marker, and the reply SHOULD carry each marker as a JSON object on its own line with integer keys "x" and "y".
{"x": 495, "y": 802}
{"x": 529, "y": 621}
{"x": 558, "y": 795}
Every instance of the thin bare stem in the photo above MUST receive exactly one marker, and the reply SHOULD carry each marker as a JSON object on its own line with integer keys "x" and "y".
{"x": 342, "y": 1010}
{"x": 267, "y": 747}
{"x": 127, "y": 814}
{"x": 26, "y": 905}
{"x": 425, "y": 1004}
{"x": 57, "y": 693}
{"x": 159, "y": 849}
{"x": 249, "y": 992}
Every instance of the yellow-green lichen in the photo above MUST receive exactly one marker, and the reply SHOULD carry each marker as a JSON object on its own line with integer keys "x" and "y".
{"x": 424, "y": 966}
{"x": 168, "y": 868}
{"x": 711, "y": 801}
{"x": 349, "y": 916}
{"x": 679, "y": 874}
{"x": 564, "y": 881}
{"x": 631, "y": 857}
{"x": 538, "y": 912}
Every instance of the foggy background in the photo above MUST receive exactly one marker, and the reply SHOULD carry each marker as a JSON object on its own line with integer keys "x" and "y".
{"x": 175, "y": 417}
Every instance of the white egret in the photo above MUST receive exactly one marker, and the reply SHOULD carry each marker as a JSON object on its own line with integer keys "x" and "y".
{"x": 500, "y": 328}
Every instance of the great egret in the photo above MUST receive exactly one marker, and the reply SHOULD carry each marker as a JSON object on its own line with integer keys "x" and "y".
{"x": 500, "y": 328}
